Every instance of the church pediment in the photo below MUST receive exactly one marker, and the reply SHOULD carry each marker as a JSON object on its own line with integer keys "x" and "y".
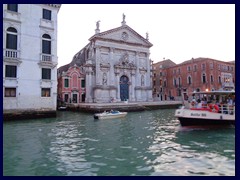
{"x": 123, "y": 34}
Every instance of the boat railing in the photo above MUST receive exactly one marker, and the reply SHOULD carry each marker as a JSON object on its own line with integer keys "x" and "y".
{"x": 222, "y": 108}
{"x": 227, "y": 109}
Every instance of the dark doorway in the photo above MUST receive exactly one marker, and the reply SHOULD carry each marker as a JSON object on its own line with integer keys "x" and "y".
{"x": 124, "y": 89}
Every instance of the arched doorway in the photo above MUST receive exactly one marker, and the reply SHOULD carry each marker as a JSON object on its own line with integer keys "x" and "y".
{"x": 124, "y": 90}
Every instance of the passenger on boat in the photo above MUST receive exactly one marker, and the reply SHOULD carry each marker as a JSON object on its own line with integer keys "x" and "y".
{"x": 199, "y": 103}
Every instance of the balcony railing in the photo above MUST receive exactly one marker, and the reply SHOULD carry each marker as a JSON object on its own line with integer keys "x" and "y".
{"x": 11, "y": 53}
{"x": 46, "y": 57}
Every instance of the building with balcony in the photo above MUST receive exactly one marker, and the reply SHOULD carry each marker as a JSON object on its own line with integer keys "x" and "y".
{"x": 194, "y": 75}
{"x": 30, "y": 57}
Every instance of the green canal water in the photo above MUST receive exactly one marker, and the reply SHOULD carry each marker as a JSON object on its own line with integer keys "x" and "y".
{"x": 149, "y": 143}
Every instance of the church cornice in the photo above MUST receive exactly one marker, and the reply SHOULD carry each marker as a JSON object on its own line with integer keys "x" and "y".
{"x": 54, "y": 5}
{"x": 98, "y": 35}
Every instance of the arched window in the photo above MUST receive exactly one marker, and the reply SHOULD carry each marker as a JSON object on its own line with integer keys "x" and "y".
{"x": 211, "y": 78}
{"x": 11, "y": 40}
{"x": 46, "y": 44}
{"x": 179, "y": 81}
{"x": 204, "y": 78}
{"x": 189, "y": 80}
{"x": 174, "y": 82}
{"x": 219, "y": 79}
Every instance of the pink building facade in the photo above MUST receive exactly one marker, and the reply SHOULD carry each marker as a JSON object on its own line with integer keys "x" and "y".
{"x": 71, "y": 84}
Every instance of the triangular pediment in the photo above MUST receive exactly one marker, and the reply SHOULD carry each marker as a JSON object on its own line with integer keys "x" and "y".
{"x": 123, "y": 34}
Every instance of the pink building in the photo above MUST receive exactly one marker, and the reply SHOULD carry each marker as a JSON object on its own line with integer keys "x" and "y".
{"x": 71, "y": 84}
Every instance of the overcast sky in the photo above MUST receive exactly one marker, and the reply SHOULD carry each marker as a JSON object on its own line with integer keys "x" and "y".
{"x": 177, "y": 32}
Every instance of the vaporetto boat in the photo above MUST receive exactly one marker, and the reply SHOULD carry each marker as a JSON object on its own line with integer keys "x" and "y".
{"x": 218, "y": 109}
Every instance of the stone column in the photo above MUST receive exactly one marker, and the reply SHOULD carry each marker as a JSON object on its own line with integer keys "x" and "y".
{"x": 118, "y": 85}
{"x": 137, "y": 70}
{"x": 133, "y": 86}
{"x": 89, "y": 85}
{"x": 97, "y": 60}
{"x": 111, "y": 57}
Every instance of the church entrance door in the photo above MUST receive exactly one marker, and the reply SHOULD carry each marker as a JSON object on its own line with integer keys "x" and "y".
{"x": 124, "y": 90}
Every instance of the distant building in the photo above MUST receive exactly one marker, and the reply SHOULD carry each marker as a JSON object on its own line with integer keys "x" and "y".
{"x": 160, "y": 79}
{"x": 193, "y": 75}
{"x": 30, "y": 57}
{"x": 71, "y": 84}
{"x": 117, "y": 65}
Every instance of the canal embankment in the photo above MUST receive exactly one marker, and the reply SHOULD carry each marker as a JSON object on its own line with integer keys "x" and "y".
{"x": 123, "y": 106}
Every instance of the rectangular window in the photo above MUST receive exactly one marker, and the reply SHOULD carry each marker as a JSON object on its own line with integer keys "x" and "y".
{"x": 10, "y": 92}
{"x": 11, "y": 71}
{"x": 46, "y": 92}
{"x": 12, "y": 7}
{"x": 211, "y": 65}
{"x": 46, "y": 47}
{"x": 203, "y": 66}
{"x": 47, "y": 14}
{"x": 46, "y": 73}
{"x": 11, "y": 41}
{"x": 195, "y": 67}
{"x": 83, "y": 83}
{"x": 189, "y": 68}
{"x": 66, "y": 83}
{"x": 66, "y": 97}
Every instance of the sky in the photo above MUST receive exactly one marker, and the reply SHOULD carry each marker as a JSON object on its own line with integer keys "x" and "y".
{"x": 177, "y": 31}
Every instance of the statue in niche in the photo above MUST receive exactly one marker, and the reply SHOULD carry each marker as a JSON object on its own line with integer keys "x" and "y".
{"x": 142, "y": 80}
{"x": 104, "y": 79}
{"x": 125, "y": 59}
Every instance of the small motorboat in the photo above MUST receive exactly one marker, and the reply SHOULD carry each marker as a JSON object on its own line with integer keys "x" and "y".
{"x": 110, "y": 114}
{"x": 62, "y": 108}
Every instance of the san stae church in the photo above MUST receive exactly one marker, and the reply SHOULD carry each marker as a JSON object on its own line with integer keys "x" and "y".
{"x": 116, "y": 66}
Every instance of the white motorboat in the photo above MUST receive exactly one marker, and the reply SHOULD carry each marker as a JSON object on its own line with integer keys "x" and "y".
{"x": 215, "y": 111}
{"x": 110, "y": 114}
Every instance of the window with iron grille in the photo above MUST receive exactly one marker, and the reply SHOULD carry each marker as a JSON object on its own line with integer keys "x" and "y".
{"x": 46, "y": 73}
{"x": 11, "y": 71}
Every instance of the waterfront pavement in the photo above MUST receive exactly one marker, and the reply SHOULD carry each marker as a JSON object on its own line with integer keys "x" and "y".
{"x": 124, "y": 106}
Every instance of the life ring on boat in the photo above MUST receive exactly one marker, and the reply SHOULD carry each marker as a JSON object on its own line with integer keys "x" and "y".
{"x": 214, "y": 108}
{"x": 193, "y": 103}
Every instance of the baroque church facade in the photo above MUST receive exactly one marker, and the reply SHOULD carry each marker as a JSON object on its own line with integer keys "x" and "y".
{"x": 117, "y": 66}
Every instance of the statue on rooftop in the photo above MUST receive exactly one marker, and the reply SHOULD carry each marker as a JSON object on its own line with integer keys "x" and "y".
{"x": 97, "y": 24}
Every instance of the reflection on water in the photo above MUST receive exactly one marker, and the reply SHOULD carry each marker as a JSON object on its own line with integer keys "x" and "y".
{"x": 142, "y": 143}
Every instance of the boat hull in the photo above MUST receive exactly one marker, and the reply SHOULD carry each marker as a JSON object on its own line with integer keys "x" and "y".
{"x": 204, "y": 122}
{"x": 203, "y": 118}
{"x": 109, "y": 115}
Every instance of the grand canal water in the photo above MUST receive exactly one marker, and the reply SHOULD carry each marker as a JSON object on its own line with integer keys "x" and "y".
{"x": 142, "y": 143}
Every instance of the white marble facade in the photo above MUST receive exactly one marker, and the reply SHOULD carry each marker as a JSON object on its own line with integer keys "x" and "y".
{"x": 26, "y": 88}
{"x": 117, "y": 66}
